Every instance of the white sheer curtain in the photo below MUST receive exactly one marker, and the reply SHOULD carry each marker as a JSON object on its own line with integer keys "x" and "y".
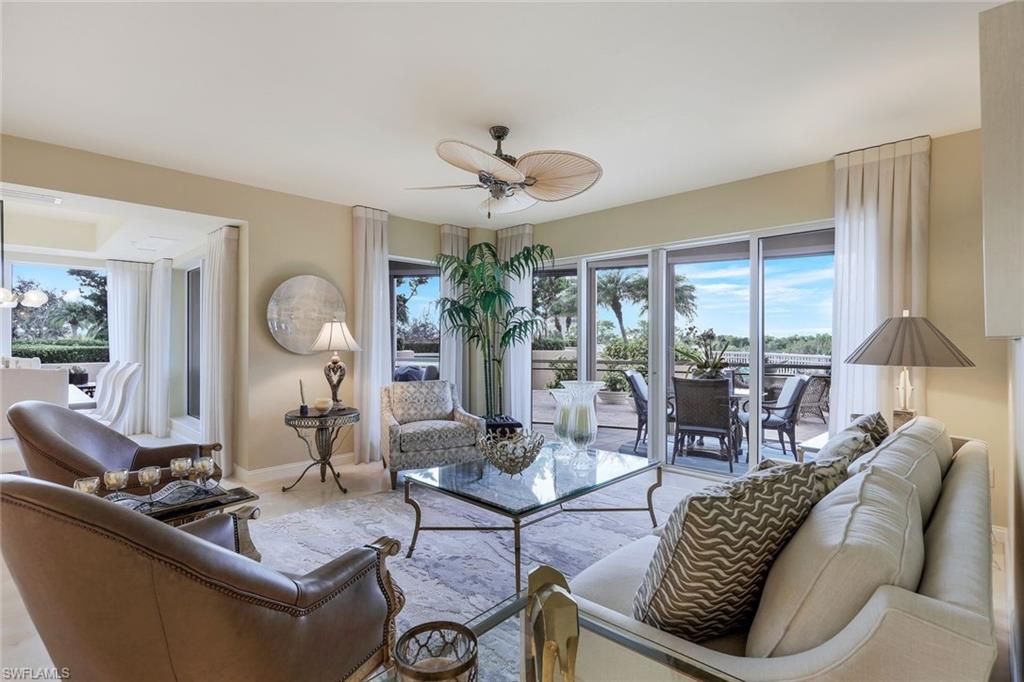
{"x": 454, "y": 359}
{"x": 881, "y": 209}
{"x": 128, "y": 330}
{"x": 218, "y": 314}
{"x": 372, "y": 325}
{"x": 158, "y": 352}
{"x": 518, "y": 358}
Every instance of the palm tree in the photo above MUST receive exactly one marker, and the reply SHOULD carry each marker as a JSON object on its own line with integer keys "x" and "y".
{"x": 613, "y": 289}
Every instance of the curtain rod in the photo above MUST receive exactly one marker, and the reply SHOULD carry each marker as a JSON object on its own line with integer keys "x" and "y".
{"x": 872, "y": 146}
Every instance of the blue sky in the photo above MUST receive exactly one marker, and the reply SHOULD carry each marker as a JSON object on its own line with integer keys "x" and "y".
{"x": 425, "y": 300}
{"x": 798, "y": 292}
{"x": 50, "y": 277}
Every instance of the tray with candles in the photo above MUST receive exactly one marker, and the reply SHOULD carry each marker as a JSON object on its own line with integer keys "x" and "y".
{"x": 180, "y": 499}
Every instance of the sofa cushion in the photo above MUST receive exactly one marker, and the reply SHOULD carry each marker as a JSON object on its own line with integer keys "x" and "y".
{"x": 613, "y": 581}
{"x": 408, "y": 373}
{"x": 827, "y": 474}
{"x": 716, "y": 549}
{"x": 934, "y": 434}
{"x": 910, "y": 459}
{"x": 416, "y": 401}
{"x": 865, "y": 534}
{"x": 873, "y": 424}
{"x": 435, "y": 434}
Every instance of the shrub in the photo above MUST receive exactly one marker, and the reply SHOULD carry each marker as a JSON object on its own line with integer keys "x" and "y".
{"x": 548, "y": 343}
{"x": 422, "y": 346}
{"x": 615, "y": 380}
{"x": 62, "y": 353}
{"x": 564, "y": 369}
{"x": 92, "y": 343}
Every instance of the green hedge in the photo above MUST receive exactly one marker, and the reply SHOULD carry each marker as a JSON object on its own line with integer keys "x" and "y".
{"x": 92, "y": 343}
{"x": 63, "y": 353}
{"x": 421, "y": 346}
{"x": 548, "y": 343}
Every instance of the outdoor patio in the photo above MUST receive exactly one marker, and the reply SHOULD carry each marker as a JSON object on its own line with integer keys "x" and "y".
{"x": 617, "y": 432}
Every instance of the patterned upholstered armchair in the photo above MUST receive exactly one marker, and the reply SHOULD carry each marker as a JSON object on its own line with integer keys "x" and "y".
{"x": 423, "y": 425}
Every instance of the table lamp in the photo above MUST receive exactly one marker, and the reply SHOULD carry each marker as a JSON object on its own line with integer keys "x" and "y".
{"x": 907, "y": 342}
{"x": 335, "y": 336}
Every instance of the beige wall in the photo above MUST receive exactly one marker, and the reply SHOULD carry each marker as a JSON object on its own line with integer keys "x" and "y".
{"x": 794, "y": 196}
{"x": 282, "y": 235}
{"x": 971, "y": 401}
{"x": 413, "y": 239}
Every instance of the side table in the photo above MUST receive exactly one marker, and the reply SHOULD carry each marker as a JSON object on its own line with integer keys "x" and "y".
{"x": 326, "y": 427}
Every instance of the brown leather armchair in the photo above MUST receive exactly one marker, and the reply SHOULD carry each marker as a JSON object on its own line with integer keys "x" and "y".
{"x": 60, "y": 445}
{"x": 116, "y": 595}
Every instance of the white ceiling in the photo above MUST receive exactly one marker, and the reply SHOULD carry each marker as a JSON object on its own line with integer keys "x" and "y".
{"x": 345, "y": 102}
{"x": 100, "y": 229}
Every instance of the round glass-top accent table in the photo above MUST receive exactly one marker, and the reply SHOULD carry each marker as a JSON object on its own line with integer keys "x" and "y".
{"x": 324, "y": 427}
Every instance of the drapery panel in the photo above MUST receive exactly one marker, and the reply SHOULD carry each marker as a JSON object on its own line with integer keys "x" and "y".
{"x": 218, "y": 315}
{"x": 516, "y": 391}
{"x": 128, "y": 286}
{"x": 372, "y": 327}
{"x": 881, "y": 260}
{"x": 158, "y": 352}
{"x": 454, "y": 356}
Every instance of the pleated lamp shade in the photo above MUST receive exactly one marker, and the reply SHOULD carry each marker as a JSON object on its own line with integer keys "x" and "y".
{"x": 908, "y": 342}
{"x": 335, "y": 335}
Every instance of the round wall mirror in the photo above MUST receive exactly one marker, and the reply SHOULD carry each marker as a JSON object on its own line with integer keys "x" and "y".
{"x": 298, "y": 309}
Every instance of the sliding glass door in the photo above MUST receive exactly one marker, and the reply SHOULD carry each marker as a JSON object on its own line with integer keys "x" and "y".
{"x": 796, "y": 276}
{"x": 554, "y": 358}
{"x": 707, "y": 303}
{"x": 617, "y": 332}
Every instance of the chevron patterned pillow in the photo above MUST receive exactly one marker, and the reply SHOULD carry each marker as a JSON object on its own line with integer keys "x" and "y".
{"x": 706, "y": 576}
{"x": 873, "y": 424}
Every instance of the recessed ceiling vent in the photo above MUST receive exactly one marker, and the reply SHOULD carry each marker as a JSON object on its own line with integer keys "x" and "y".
{"x": 152, "y": 243}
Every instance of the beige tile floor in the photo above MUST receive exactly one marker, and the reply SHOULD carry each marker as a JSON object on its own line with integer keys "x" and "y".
{"x": 20, "y": 645}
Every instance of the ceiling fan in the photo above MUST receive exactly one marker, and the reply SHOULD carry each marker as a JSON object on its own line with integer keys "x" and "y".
{"x": 514, "y": 184}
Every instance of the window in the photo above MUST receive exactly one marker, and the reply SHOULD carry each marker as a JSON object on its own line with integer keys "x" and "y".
{"x": 415, "y": 315}
{"x": 554, "y": 350}
{"x": 194, "y": 283}
{"x": 71, "y": 327}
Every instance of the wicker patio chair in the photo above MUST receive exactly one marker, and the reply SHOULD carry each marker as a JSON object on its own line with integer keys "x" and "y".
{"x": 703, "y": 410}
{"x": 815, "y": 401}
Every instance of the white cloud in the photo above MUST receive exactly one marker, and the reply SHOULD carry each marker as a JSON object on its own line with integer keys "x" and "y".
{"x": 720, "y": 273}
{"x": 72, "y": 295}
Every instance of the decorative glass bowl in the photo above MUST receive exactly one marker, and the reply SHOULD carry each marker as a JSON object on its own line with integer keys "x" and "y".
{"x": 439, "y": 650}
{"x": 511, "y": 454}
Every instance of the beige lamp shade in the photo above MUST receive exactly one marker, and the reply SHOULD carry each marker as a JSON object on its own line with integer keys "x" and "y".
{"x": 908, "y": 342}
{"x": 335, "y": 335}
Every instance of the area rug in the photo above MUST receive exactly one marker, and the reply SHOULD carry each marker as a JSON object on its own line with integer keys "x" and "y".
{"x": 457, "y": 575}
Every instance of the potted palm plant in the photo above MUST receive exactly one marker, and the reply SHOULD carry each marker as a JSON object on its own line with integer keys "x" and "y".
{"x": 483, "y": 311}
{"x": 703, "y": 353}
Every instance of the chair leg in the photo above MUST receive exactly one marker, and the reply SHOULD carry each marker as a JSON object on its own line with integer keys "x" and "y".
{"x": 394, "y": 479}
{"x": 792, "y": 441}
{"x": 782, "y": 441}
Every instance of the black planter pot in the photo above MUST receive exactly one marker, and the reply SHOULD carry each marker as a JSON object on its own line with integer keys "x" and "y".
{"x": 77, "y": 379}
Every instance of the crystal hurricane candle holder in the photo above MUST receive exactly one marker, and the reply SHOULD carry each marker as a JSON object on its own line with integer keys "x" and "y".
{"x": 149, "y": 476}
{"x": 180, "y": 467}
{"x": 204, "y": 468}
{"x": 438, "y": 650}
{"x": 88, "y": 485}
{"x": 115, "y": 480}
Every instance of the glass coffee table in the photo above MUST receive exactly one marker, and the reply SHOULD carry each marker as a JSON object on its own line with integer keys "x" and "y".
{"x": 624, "y": 655}
{"x": 541, "y": 491}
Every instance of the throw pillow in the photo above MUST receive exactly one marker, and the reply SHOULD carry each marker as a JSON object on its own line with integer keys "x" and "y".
{"x": 706, "y": 576}
{"x": 873, "y": 424}
{"x": 866, "y": 534}
{"x": 417, "y": 401}
{"x": 827, "y": 474}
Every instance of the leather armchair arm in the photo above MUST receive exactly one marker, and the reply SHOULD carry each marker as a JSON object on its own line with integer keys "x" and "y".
{"x": 230, "y": 531}
{"x": 324, "y": 582}
{"x": 162, "y": 456}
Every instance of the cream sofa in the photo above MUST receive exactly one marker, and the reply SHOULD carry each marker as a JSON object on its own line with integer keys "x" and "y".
{"x": 941, "y": 631}
{"x": 17, "y": 384}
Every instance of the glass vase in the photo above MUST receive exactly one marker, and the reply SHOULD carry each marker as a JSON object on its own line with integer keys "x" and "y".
{"x": 581, "y": 417}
